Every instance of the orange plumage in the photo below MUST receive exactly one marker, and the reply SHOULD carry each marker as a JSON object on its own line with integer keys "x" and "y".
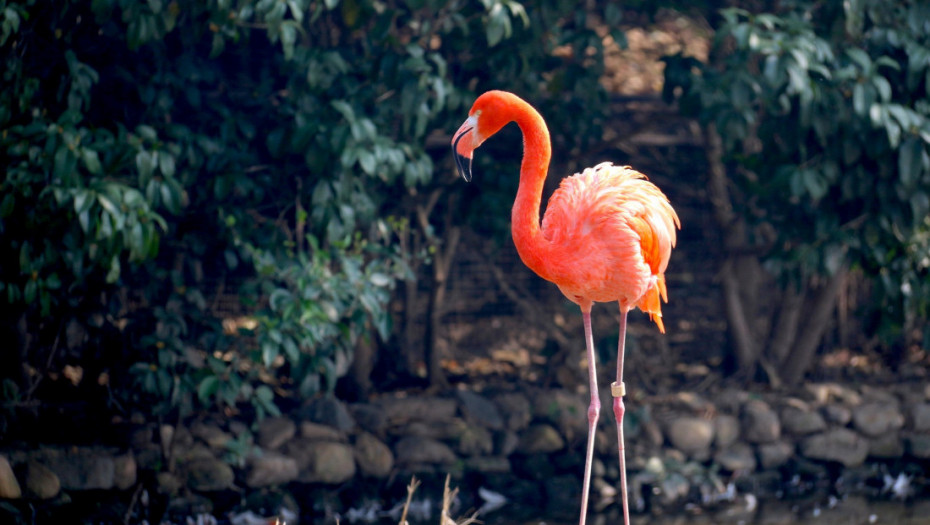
{"x": 607, "y": 235}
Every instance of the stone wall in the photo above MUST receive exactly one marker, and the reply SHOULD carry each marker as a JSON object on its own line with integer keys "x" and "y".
{"x": 527, "y": 444}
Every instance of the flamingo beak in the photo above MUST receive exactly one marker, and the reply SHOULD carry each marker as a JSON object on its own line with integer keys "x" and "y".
{"x": 463, "y": 145}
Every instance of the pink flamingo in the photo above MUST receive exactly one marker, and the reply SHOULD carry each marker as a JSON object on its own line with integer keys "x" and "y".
{"x": 607, "y": 235}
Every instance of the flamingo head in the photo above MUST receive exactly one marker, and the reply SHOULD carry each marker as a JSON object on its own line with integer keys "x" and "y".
{"x": 487, "y": 117}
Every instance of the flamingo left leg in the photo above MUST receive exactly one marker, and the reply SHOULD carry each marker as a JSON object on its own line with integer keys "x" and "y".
{"x": 618, "y": 390}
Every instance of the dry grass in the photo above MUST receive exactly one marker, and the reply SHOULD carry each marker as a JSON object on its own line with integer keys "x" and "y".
{"x": 448, "y": 496}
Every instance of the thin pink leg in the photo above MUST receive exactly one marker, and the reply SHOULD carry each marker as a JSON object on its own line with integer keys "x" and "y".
{"x": 594, "y": 410}
{"x": 618, "y": 390}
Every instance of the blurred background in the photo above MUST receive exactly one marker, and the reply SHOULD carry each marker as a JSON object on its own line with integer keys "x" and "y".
{"x": 230, "y": 207}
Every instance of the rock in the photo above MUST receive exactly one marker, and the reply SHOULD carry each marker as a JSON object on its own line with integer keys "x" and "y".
{"x": 318, "y": 432}
{"x": 839, "y": 444}
{"x": 441, "y": 429}
{"x": 875, "y": 419}
{"x": 9, "y": 486}
{"x": 175, "y": 438}
{"x": 275, "y": 431}
{"x": 886, "y": 446}
{"x": 775, "y": 454}
{"x": 124, "y": 471}
{"x": 399, "y": 410}
{"x": 416, "y": 450}
{"x": 167, "y": 483}
{"x": 81, "y": 468}
{"x": 488, "y": 464}
{"x": 566, "y": 410}
{"x": 370, "y": 417}
{"x": 475, "y": 441}
{"x": 801, "y": 421}
{"x": 322, "y": 461}
{"x": 918, "y": 445}
{"x": 540, "y": 438}
{"x": 373, "y": 457}
{"x": 270, "y": 469}
{"x": 674, "y": 488}
{"x": 726, "y": 430}
{"x": 920, "y": 417}
{"x": 838, "y": 414}
{"x": 729, "y": 400}
{"x": 479, "y": 410}
{"x": 195, "y": 452}
{"x": 40, "y": 481}
{"x": 208, "y": 474}
{"x": 188, "y": 505}
{"x": 760, "y": 424}
{"x": 515, "y": 409}
{"x": 691, "y": 435}
{"x": 329, "y": 411}
{"x": 739, "y": 457}
{"x": 828, "y": 392}
{"x": 506, "y": 443}
{"x": 652, "y": 434}
{"x": 149, "y": 459}
{"x": 142, "y": 436}
{"x": 211, "y": 434}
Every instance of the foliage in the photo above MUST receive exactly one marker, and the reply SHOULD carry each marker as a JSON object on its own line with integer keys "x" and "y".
{"x": 824, "y": 115}
{"x": 161, "y": 155}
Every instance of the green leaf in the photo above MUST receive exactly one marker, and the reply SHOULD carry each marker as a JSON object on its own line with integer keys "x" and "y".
{"x": 288, "y": 38}
{"x": 91, "y": 161}
{"x": 108, "y": 205}
{"x": 114, "y": 271}
{"x": 344, "y": 109}
{"x": 207, "y": 389}
{"x": 860, "y": 57}
{"x": 145, "y": 165}
{"x": 910, "y": 160}
{"x": 166, "y": 164}
{"x": 64, "y": 165}
{"x": 29, "y": 291}
{"x": 367, "y": 161}
{"x": 279, "y": 298}
{"x": 380, "y": 279}
{"x": 269, "y": 353}
{"x": 7, "y": 205}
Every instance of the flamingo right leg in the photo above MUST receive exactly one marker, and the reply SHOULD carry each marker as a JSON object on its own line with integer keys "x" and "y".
{"x": 594, "y": 410}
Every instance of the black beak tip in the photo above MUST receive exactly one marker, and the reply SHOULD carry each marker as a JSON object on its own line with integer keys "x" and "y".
{"x": 463, "y": 164}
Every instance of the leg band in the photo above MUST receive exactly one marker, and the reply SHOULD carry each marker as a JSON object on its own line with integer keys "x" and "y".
{"x": 617, "y": 389}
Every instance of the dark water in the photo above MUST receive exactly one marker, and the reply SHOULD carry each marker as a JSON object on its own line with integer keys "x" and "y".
{"x": 852, "y": 510}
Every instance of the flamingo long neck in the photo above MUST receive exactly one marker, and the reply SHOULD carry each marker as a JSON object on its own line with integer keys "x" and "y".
{"x": 537, "y": 151}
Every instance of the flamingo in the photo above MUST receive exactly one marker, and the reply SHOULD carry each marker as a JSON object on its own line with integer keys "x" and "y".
{"x": 607, "y": 235}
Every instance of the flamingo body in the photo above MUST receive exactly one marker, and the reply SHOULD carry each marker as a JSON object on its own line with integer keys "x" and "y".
{"x": 607, "y": 235}
{"x": 613, "y": 232}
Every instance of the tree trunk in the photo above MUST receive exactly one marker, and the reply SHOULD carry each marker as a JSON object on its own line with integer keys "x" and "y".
{"x": 442, "y": 264}
{"x": 810, "y": 334}
{"x": 739, "y": 314}
{"x": 786, "y": 325}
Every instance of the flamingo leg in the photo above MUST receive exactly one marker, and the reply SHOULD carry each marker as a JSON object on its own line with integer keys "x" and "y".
{"x": 594, "y": 410}
{"x": 618, "y": 390}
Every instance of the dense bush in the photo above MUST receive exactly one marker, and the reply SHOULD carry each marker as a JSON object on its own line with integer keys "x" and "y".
{"x": 162, "y": 155}
{"x": 817, "y": 120}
